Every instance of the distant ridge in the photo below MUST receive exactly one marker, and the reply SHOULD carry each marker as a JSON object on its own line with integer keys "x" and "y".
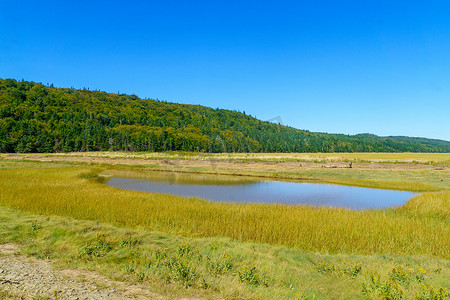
{"x": 38, "y": 118}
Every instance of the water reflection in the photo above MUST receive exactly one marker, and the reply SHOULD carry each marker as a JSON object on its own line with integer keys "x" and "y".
{"x": 247, "y": 189}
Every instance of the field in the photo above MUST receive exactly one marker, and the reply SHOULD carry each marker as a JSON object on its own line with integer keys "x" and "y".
{"x": 56, "y": 206}
{"x": 405, "y": 158}
{"x": 400, "y": 171}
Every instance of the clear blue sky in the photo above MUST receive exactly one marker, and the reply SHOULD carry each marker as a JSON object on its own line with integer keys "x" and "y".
{"x": 350, "y": 67}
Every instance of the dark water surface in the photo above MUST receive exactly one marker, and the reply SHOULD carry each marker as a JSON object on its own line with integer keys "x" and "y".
{"x": 247, "y": 189}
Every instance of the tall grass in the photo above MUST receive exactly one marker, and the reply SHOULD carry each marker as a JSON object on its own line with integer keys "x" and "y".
{"x": 217, "y": 268}
{"x": 404, "y": 157}
{"x": 73, "y": 192}
{"x": 407, "y": 177}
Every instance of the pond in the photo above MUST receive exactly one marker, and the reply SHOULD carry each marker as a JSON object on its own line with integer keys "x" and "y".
{"x": 247, "y": 189}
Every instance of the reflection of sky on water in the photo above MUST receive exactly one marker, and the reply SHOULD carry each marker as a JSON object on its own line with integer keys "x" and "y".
{"x": 272, "y": 192}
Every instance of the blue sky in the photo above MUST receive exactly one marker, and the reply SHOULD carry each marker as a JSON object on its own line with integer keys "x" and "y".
{"x": 350, "y": 67}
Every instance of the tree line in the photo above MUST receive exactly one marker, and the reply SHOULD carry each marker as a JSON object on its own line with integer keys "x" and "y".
{"x": 39, "y": 118}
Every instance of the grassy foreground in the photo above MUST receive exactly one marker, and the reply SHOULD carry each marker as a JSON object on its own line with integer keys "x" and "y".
{"x": 336, "y": 253}
{"x": 221, "y": 267}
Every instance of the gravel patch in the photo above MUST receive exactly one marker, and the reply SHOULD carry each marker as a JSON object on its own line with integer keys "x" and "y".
{"x": 22, "y": 277}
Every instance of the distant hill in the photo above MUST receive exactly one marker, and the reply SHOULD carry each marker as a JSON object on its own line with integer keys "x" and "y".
{"x": 37, "y": 118}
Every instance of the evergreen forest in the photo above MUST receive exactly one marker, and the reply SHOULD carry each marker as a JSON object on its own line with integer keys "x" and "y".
{"x": 39, "y": 118}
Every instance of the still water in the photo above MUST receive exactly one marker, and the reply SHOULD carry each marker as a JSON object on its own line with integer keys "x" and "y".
{"x": 247, "y": 189}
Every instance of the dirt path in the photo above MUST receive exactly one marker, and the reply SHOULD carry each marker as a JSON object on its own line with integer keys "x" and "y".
{"x": 29, "y": 278}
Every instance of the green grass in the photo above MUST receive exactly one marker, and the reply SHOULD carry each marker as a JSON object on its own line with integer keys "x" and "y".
{"x": 219, "y": 267}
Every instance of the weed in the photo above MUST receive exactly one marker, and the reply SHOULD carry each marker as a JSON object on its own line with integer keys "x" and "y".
{"x": 182, "y": 271}
{"x": 303, "y": 295}
{"x": 130, "y": 268}
{"x": 406, "y": 277}
{"x": 178, "y": 266}
{"x": 386, "y": 288}
{"x": 203, "y": 283}
{"x": 44, "y": 254}
{"x": 253, "y": 276}
{"x": 160, "y": 257}
{"x": 325, "y": 268}
{"x": 128, "y": 242}
{"x": 289, "y": 283}
{"x": 186, "y": 249}
{"x": 35, "y": 226}
{"x": 428, "y": 292}
{"x": 214, "y": 245}
{"x": 352, "y": 271}
{"x": 97, "y": 248}
{"x": 140, "y": 276}
{"x": 398, "y": 274}
{"x": 221, "y": 266}
{"x": 420, "y": 275}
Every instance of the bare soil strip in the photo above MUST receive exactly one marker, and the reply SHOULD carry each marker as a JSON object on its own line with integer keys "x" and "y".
{"x": 29, "y": 278}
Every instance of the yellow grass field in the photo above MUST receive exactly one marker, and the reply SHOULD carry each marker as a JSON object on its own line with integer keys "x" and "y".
{"x": 424, "y": 158}
{"x": 73, "y": 192}
{"x": 326, "y": 243}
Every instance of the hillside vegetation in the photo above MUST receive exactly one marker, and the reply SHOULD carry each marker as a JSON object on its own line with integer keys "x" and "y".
{"x": 37, "y": 118}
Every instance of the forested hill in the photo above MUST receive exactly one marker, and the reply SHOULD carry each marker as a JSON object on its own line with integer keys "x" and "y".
{"x": 37, "y": 118}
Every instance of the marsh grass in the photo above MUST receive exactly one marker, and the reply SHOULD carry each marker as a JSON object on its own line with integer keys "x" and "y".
{"x": 439, "y": 159}
{"x": 424, "y": 184}
{"x": 267, "y": 166}
{"x": 419, "y": 228}
{"x": 218, "y": 267}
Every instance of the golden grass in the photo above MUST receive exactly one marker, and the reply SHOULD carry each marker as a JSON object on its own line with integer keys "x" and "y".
{"x": 435, "y": 205}
{"x": 413, "y": 177}
{"x": 213, "y": 267}
{"x": 72, "y": 192}
{"x": 404, "y": 157}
